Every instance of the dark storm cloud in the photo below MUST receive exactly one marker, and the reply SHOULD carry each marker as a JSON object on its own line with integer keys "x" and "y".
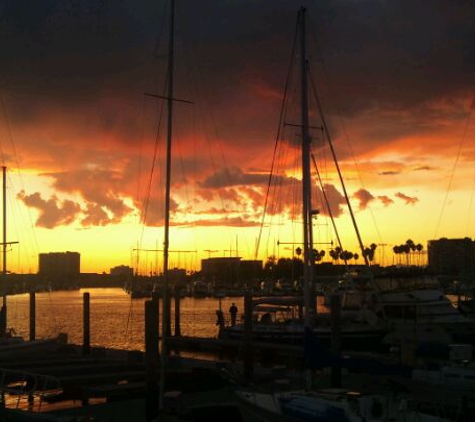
{"x": 378, "y": 53}
{"x": 235, "y": 176}
{"x": 74, "y": 73}
{"x": 399, "y": 54}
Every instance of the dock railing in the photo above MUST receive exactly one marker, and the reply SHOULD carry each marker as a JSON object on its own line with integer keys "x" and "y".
{"x": 20, "y": 389}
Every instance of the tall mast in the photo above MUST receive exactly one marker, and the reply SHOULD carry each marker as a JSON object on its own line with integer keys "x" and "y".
{"x": 4, "y": 190}
{"x": 166, "y": 242}
{"x": 306, "y": 180}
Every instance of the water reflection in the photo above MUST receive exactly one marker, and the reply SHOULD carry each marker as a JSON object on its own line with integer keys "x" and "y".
{"x": 116, "y": 320}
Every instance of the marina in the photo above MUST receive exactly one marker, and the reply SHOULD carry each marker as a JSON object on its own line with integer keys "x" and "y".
{"x": 115, "y": 369}
{"x": 297, "y": 313}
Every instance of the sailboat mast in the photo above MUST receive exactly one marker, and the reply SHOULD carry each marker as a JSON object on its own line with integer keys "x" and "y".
{"x": 4, "y": 190}
{"x": 306, "y": 180}
{"x": 166, "y": 242}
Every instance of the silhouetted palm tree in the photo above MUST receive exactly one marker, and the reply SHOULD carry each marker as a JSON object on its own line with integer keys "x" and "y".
{"x": 397, "y": 251}
{"x": 346, "y": 255}
{"x": 318, "y": 255}
{"x": 406, "y": 248}
{"x": 369, "y": 252}
{"x": 419, "y": 248}
{"x": 333, "y": 254}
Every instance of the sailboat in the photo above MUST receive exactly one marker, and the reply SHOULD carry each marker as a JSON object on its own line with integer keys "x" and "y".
{"x": 416, "y": 308}
{"x": 333, "y": 404}
{"x": 323, "y": 405}
{"x": 273, "y": 319}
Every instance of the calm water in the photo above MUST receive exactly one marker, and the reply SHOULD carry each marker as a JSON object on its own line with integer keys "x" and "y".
{"x": 116, "y": 320}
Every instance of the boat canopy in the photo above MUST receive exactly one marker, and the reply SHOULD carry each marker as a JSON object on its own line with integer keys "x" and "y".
{"x": 279, "y": 301}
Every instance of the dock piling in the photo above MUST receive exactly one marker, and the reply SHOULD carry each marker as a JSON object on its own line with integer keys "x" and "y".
{"x": 32, "y": 316}
{"x": 3, "y": 318}
{"x": 151, "y": 358}
{"x": 335, "y": 307}
{"x": 156, "y": 301}
{"x": 177, "y": 311}
{"x": 86, "y": 344}
{"x": 248, "y": 363}
{"x": 168, "y": 307}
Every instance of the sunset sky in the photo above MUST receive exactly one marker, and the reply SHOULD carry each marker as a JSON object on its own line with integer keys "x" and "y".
{"x": 78, "y": 135}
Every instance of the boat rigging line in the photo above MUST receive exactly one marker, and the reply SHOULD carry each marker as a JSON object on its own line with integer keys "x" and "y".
{"x": 343, "y": 127}
{"x": 340, "y": 176}
{"x": 22, "y": 183}
{"x": 330, "y": 213}
{"x": 277, "y": 138}
{"x": 452, "y": 172}
{"x": 156, "y": 152}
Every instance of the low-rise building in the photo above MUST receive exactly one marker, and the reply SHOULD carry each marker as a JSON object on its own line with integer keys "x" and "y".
{"x": 452, "y": 257}
{"x": 230, "y": 272}
{"x": 122, "y": 270}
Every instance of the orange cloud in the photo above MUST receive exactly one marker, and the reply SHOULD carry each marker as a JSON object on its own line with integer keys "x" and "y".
{"x": 52, "y": 212}
{"x": 364, "y": 197}
{"x": 386, "y": 200}
{"x": 407, "y": 199}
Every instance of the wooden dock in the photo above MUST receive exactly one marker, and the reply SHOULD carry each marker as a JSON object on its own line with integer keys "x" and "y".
{"x": 265, "y": 353}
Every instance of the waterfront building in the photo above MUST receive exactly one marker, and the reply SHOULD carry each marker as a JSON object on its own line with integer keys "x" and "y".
{"x": 55, "y": 265}
{"x": 227, "y": 272}
{"x": 452, "y": 257}
{"x": 122, "y": 271}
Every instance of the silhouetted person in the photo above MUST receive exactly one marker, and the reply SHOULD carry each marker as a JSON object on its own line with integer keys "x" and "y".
{"x": 220, "y": 319}
{"x": 233, "y": 310}
{"x": 3, "y": 321}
